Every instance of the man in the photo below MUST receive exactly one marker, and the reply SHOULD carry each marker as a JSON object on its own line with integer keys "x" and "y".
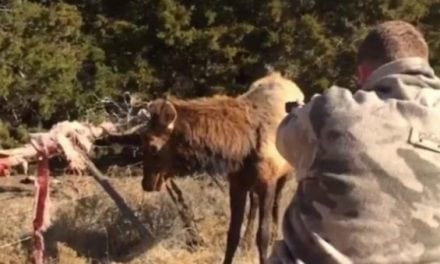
{"x": 368, "y": 163}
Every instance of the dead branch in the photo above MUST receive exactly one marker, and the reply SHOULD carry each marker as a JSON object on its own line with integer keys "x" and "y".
{"x": 62, "y": 139}
{"x": 119, "y": 201}
{"x": 185, "y": 213}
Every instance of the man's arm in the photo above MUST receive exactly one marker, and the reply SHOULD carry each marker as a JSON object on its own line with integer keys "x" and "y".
{"x": 296, "y": 140}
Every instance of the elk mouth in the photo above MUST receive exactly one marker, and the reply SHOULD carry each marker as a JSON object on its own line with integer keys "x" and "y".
{"x": 152, "y": 184}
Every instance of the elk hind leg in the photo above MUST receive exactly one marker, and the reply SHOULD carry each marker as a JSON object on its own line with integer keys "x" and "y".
{"x": 250, "y": 227}
{"x": 276, "y": 207}
{"x": 266, "y": 195}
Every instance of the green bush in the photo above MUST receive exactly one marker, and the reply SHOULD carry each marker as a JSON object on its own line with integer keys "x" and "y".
{"x": 59, "y": 57}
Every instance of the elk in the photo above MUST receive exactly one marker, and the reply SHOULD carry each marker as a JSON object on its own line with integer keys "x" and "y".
{"x": 234, "y": 136}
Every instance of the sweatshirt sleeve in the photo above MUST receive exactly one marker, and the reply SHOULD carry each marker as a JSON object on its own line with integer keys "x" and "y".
{"x": 296, "y": 140}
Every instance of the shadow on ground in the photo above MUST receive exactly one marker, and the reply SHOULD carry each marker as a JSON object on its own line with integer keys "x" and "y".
{"x": 96, "y": 231}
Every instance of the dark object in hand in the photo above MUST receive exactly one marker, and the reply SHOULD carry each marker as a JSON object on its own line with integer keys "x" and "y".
{"x": 289, "y": 105}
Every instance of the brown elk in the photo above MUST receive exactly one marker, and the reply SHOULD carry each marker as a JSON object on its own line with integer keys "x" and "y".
{"x": 234, "y": 136}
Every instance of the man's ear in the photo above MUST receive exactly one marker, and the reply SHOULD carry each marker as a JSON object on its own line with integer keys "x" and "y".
{"x": 363, "y": 72}
{"x": 167, "y": 115}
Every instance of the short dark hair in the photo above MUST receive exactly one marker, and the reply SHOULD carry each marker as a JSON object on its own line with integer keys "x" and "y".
{"x": 390, "y": 41}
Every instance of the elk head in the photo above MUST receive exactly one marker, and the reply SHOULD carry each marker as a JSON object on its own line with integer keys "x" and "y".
{"x": 156, "y": 144}
{"x": 153, "y": 123}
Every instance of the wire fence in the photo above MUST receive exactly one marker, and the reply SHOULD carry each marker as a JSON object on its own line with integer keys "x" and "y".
{"x": 16, "y": 242}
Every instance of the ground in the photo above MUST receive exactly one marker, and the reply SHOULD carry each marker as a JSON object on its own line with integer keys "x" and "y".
{"x": 87, "y": 227}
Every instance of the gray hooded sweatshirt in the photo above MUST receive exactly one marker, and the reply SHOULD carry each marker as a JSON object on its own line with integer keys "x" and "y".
{"x": 368, "y": 171}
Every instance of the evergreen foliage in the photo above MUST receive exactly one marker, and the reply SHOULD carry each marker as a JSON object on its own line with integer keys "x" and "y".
{"x": 58, "y": 57}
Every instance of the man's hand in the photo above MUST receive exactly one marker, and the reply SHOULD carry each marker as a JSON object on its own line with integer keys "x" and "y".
{"x": 290, "y": 105}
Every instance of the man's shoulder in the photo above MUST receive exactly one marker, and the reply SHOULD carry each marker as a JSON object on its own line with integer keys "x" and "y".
{"x": 340, "y": 107}
{"x": 337, "y": 100}
{"x": 339, "y": 97}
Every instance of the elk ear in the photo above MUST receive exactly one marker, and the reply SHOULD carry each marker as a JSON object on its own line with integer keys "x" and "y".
{"x": 167, "y": 115}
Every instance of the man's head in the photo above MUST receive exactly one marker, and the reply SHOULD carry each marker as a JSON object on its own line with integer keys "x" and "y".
{"x": 387, "y": 42}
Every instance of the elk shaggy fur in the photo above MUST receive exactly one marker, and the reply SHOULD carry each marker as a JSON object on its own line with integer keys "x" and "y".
{"x": 234, "y": 136}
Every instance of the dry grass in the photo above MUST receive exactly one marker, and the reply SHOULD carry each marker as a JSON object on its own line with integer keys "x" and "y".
{"x": 88, "y": 228}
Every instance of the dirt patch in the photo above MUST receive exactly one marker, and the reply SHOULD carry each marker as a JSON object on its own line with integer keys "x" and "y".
{"x": 87, "y": 227}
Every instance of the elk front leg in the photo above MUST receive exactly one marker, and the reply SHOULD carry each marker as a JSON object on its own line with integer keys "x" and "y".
{"x": 237, "y": 194}
{"x": 266, "y": 195}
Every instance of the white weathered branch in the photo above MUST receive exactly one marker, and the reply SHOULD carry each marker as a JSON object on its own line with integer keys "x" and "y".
{"x": 65, "y": 138}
